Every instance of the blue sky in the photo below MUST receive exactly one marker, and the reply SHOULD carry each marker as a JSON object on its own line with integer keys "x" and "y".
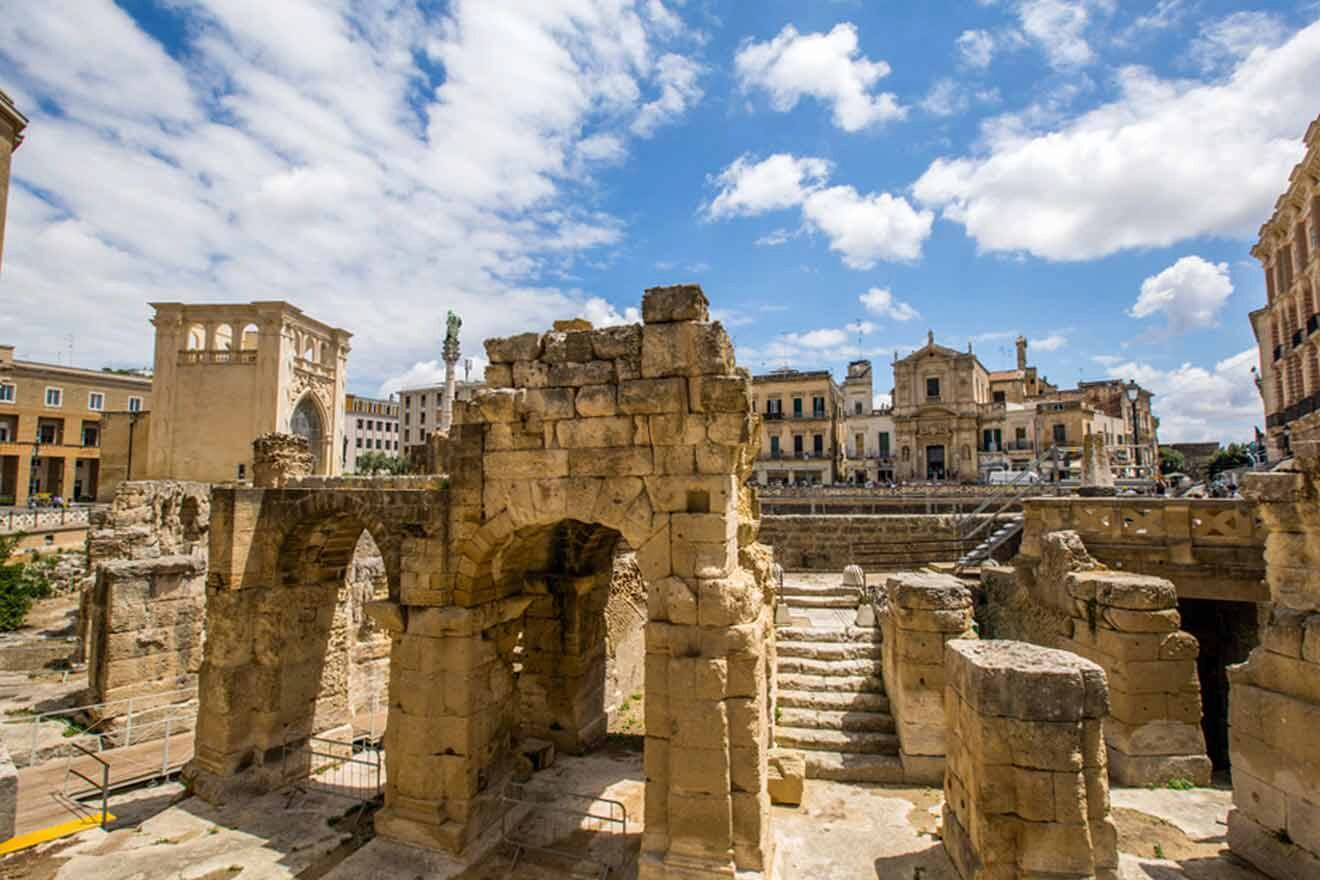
{"x": 839, "y": 176}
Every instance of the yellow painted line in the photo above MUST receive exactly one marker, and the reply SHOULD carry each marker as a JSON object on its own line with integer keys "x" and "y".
{"x": 54, "y": 832}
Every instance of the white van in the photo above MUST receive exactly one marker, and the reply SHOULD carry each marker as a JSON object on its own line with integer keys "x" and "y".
{"x": 1005, "y": 477}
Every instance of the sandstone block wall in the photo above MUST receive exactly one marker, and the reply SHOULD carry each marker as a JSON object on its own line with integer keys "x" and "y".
{"x": 1128, "y": 625}
{"x": 1026, "y": 793}
{"x": 1274, "y": 700}
{"x": 920, "y": 613}
{"x": 8, "y": 794}
{"x": 885, "y": 542}
{"x": 278, "y": 459}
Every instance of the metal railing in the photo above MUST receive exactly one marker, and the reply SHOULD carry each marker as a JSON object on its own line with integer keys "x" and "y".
{"x": 561, "y": 826}
{"x": 135, "y": 719}
{"x": 103, "y": 786}
{"x": 339, "y": 768}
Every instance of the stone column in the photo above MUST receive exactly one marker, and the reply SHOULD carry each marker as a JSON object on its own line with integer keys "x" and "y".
{"x": 1097, "y": 478}
{"x": 1128, "y": 625}
{"x": 1026, "y": 793}
{"x": 451, "y": 353}
{"x": 279, "y": 458}
{"x": 1274, "y": 701}
{"x": 921, "y": 613}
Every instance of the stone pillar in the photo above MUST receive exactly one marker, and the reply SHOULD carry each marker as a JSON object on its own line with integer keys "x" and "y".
{"x": 1128, "y": 625}
{"x": 1274, "y": 700}
{"x": 279, "y": 458}
{"x": 921, "y": 613}
{"x": 1097, "y": 478}
{"x": 451, "y": 353}
{"x": 1026, "y": 794}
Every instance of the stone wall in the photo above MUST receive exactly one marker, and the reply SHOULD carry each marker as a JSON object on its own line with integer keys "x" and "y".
{"x": 1128, "y": 625}
{"x": 1274, "y": 699}
{"x": 921, "y": 612}
{"x": 278, "y": 459}
{"x": 1007, "y": 610}
{"x": 1026, "y": 793}
{"x": 877, "y": 543}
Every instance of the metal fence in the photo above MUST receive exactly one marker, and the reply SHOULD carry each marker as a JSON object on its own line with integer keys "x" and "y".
{"x": 340, "y": 768}
{"x": 584, "y": 832}
{"x": 118, "y": 724}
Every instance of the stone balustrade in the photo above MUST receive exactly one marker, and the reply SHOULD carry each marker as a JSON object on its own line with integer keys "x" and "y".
{"x": 1209, "y": 548}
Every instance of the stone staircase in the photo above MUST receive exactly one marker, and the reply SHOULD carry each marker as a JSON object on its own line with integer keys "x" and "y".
{"x": 832, "y": 705}
{"x": 803, "y": 594}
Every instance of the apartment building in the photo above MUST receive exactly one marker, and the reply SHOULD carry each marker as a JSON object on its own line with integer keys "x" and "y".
{"x": 868, "y": 429}
{"x": 956, "y": 420}
{"x": 802, "y": 427}
{"x": 50, "y": 426}
{"x": 419, "y": 410}
{"x": 1287, "y": 328}
{"x": 370, "y": 425}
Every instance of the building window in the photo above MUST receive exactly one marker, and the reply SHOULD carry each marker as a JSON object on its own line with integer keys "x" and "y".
{"x": 421, "y": 420}
{"x": 90, "y": 435}
{"x": 774, "y": 447}
{"x": 933, "y": 388}
{"x": 359, "y": 423}
{"x": 818, "y": 407}
{"x": 999, "y": 397}
{"x": 407, "y": 435}
{"x": 4, "y": 433}
{"x": 359, "y": 443}
{"x": 135, "y": 404}
{"x": 47, "y": 433}
{"x": 797, "y": 407}
{"x": 54, "y": 397}
{"x": 1060, "y": 435}
{"x": 818, "y": 445}
{"x": 774, "y": 406}
{"x": 7, "y": 393}
{"x": 95, "y": 401}
{"x": 797, "y": 445}
{"x": 883, "y": 437}
{"x": 422, "y": 404}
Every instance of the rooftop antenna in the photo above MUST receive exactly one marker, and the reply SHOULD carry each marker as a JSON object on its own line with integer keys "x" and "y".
{"x": 69, "y": 339}
{"x": 859, "y": 337}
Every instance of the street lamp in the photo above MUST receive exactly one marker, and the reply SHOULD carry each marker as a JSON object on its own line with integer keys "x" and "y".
{"x": 1133, "y": 392}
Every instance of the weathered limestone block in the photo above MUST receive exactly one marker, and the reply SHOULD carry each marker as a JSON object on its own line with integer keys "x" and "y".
{"x": 1097, "y": 478}
{"x": 787, "y": 776}
{"x": 919, "y": 614}
{"x": 1153, "y": 732}
{"x": 679, "y": 302}
{"x": 278, "y": 459}
{"x": 1026, "y": 792}
{"x": 1274, "y": 701}
{"x": 511, "y": 349}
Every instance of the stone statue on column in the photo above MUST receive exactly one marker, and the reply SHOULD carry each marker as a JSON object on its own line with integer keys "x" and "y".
{"x": 451, "y": 353}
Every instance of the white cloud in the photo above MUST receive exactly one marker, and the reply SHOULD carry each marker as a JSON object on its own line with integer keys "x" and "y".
{"x": 1107, "y": 360}
{"x": 677, "y": 77}
{"x": 945, "y": 98}
{"x": 1190, "y": 294}
{"x": 863, "y": 228}
{"x": 1053, "y": 342}
{"x": 332, "y": 170}
{"x": 824, "y": 347}
{"x": 828, "y": 67}
{"x": 780, "y": 181}
{"x": 775, "y": 237}
{"x": 1225, "y": 41}
{"x": 1058, "y": 27}
{"x": 879, "y": 301}
{"x": 1166, "y": 161}
{"x": 976, "y": 48}
{"x": 1198, "y": 404}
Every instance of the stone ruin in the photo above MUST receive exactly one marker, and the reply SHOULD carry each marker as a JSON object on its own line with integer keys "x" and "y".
{"x": 584, "y": 444}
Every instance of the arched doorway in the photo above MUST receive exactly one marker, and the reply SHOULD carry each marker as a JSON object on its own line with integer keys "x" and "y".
{"x": 306, "y": 422}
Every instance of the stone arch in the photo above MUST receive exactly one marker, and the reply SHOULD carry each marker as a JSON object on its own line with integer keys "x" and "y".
{"x": 195, "y": 338}
{"x": 249, "y": 337}
{"x": 224, "y": 337}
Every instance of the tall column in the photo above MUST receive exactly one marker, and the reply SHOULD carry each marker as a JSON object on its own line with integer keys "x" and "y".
{"x": 12, "y": 124}
{"x": 451, "y": 353}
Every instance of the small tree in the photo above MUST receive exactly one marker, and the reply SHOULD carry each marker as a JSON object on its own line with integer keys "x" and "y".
{"x": 1234, "y": 455}
{"x": 1172, "y": 461}
{"x": 21, "y": 584}
{"x": 375, "y": 462}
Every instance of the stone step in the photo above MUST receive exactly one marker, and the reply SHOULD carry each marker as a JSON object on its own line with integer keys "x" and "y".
{"x": 839, "y": 684}
{"x": 834, "y": 701}
{"x": 825, "y": 719}
{"x": 830, "y": 650}
{"x": 821, "y": 601}
{"x": 813, "y": 590}
{"x": 827, "y": 634}
{"x": 845, "y": 767}
{"x": 809, "y": 666}
{"x": 852, "y": 742}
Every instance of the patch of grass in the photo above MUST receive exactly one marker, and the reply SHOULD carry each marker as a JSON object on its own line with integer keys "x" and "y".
{"x": 71, "y": 727}
{"x": 1159, "y": 851}
{"x": 1180, "y": 784}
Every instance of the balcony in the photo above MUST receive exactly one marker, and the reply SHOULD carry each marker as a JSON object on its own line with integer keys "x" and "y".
{"x": 199, "y": 356}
